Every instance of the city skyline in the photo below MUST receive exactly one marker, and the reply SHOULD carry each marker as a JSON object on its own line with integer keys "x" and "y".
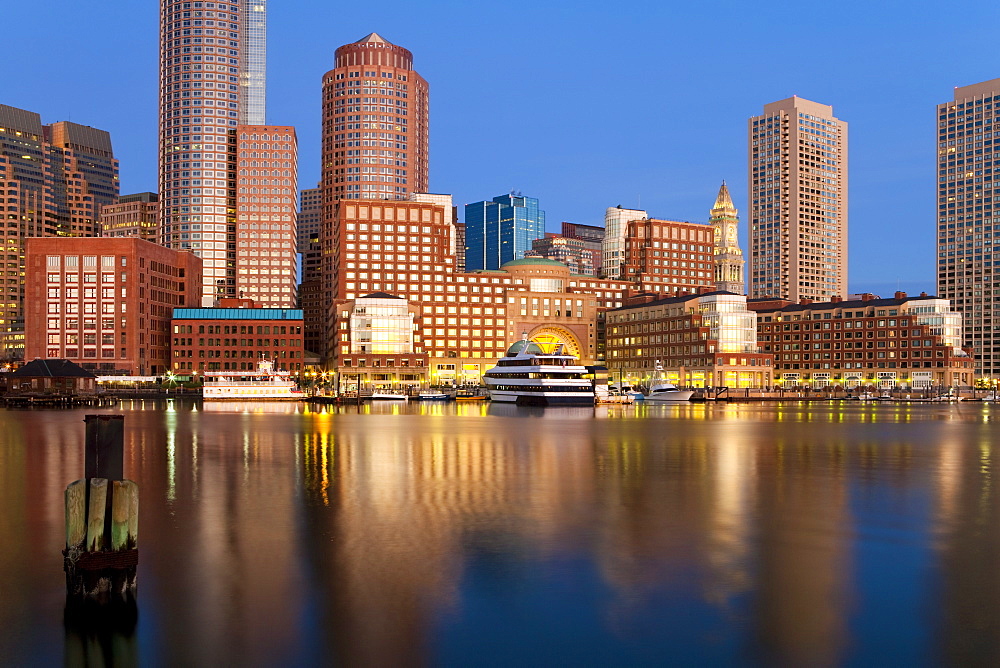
{"x": 673, "y": 168}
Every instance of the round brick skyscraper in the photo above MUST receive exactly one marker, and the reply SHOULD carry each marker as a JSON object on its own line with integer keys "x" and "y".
{"x": 375, "y": 123}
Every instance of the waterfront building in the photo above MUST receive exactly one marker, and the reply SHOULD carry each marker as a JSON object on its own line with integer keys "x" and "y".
{"x": 375, "y": 123}
{"x": 501, "y": 230}
{"x": 132, "y": 216}
{"x": 51, "y": 377}
{"x": 798, "y": 201}
{"x": 729, "y": 261}
{"x": 465, "y": 319}
{"x": 381, "y": 354}
{"x": 211, "y": 93}
{"x": 105, "y": 303}
{"x": 54, "y": 179}
{"x": 968, "y": 218}
{"x": 668, "y": 255}
{"x": 703, "y": 340}
{"x": 616, "y": 221}
{"x": 235, "y": 336}
{"x": 910, "y": 342}
{"x": 577, "y": 246}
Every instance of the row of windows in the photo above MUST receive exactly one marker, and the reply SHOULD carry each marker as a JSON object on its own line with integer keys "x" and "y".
{"x": 238, "y": 329}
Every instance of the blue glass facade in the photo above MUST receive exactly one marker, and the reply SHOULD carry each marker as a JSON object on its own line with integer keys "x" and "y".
{"x": 501, "y": 230}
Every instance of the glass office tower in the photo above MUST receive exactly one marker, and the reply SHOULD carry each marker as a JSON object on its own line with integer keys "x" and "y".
{"x": 501, "y": 230}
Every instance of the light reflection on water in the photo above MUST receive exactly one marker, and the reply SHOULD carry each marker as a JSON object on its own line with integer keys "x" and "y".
{"x": 450, "y": 533}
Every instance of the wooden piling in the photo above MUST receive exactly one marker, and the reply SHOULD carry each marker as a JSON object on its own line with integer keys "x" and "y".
{"x": 76, "y": 514}
{"x": 95, "y": 514}
{"x": 125, "y": 515}
{"x": 102, "y": 520}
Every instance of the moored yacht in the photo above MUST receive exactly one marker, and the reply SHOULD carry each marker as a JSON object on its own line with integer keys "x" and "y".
{"x": 661, "y": 390}
{"x": 536, "y": 374}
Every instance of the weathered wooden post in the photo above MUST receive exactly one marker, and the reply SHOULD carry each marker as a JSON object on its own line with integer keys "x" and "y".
{"x": 102, "y": 520}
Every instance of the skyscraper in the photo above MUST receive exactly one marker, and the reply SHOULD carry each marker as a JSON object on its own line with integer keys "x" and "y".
{"x": 212, "y": 76}
{"x": 616, "y": 221}
{"x": 54, "y": 179}
{"x": 266, "y": 173}
{"x": 798, "y": 201}
{"x": 728, "y": 256}
{"x": 375, "y": 123}
{"x": 967, "y": 271}
{"x": 501, "y": 230}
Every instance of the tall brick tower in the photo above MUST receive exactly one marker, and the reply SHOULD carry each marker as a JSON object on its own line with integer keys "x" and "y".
{"x": 375, "y": 123}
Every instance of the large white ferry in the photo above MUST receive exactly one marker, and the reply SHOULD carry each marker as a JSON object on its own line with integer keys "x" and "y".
{"x": 266, "y": 383}
{"x": 537, "y": 374}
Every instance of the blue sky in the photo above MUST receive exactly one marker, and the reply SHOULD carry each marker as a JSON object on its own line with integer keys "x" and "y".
{"x": 582, "y": 104}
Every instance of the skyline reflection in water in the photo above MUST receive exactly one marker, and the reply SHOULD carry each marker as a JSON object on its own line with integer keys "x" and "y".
{"x": 821, "y": 533}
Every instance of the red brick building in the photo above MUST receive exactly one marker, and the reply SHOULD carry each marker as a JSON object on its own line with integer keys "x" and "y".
{"x": 375, "y": 123}
{"x": 235, "y": 336}
{"x": 669, "y": 255}
{"x": 265, "y": 242}
{"x": 912, "y": 342}
{"x": 702, "y": 340}
{"x": 105, "y": 303}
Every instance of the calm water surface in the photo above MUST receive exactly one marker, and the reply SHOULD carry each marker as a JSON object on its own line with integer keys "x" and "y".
{"x": 820, "y": 534}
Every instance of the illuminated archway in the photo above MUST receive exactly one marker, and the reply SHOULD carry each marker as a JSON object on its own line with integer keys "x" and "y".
{"x": 548, "y": 335}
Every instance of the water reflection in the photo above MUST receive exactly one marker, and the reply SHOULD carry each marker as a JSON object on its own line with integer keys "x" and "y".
{"x": 427, "y": 532}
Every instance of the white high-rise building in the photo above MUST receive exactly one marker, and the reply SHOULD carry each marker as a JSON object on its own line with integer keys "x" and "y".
{"x": 613, "y": 247}
{"x": 798, "y": 202}
{"x": 212, "y": 77}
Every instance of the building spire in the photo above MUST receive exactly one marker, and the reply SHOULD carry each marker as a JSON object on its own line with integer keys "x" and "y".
{"x": 729, "y": 262}
{"x": 724, "y": 200}
{"x": 373, "y": 37}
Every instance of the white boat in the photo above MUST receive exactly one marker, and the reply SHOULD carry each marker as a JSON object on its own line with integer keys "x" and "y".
{"x": 266, "y": 383}
{"x": 431, "y": 395}
{"x": 536, "y": 374}
{"x": 661, "y": 390}
{"x": 389, "y": 396}
{"x": 611, "y": 395}
{"x": 627, "y": 391}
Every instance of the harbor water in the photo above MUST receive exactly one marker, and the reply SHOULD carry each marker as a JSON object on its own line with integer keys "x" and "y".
{"x": 820, "y": 533}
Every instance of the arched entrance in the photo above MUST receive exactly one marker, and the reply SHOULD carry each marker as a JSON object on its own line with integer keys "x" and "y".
{"x": 549, "y": 334}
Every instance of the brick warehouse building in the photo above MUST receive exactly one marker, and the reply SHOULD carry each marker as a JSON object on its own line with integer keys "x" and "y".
{"x": 235, "y": 336}
{"x": 106, "y": 303}
{"x": 702, "y": 340}
{"x": 899, "y": 342}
